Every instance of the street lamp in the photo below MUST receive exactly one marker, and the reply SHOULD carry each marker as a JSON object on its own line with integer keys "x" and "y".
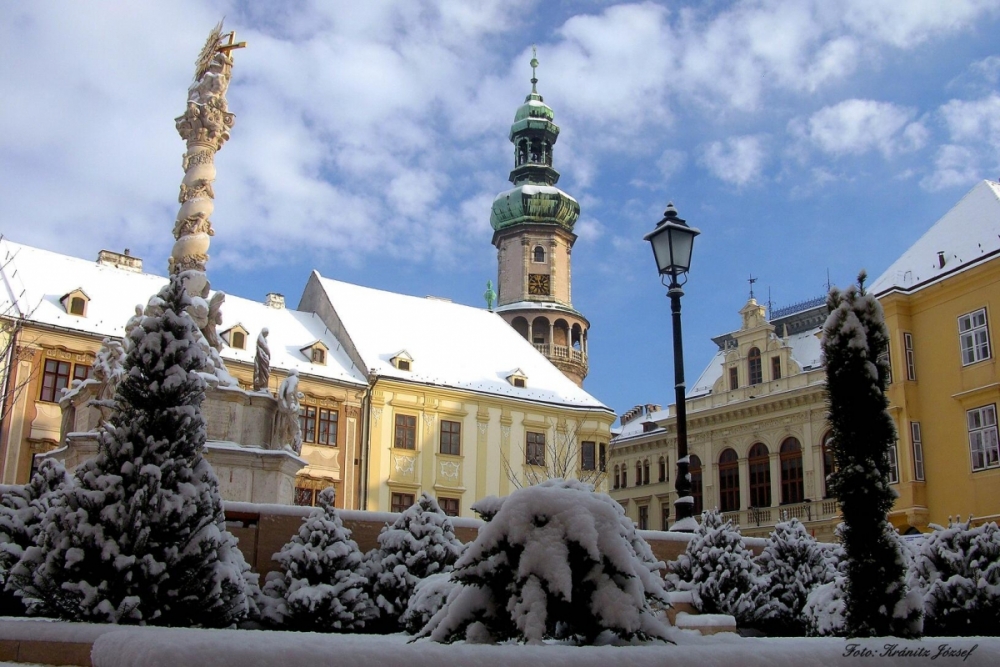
{"x": 672, "y": 242}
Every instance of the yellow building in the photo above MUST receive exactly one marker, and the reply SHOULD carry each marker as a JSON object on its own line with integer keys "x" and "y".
{"x": 460, "y": 406}
{"x": 756, "y": 432}
{"x": 940, "y": 300}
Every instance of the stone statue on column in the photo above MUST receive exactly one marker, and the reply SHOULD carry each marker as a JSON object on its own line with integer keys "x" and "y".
{"x": 262, "y": 363}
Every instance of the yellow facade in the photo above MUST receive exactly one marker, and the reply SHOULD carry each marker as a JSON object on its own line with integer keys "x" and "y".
{"x": 936, "y": 390}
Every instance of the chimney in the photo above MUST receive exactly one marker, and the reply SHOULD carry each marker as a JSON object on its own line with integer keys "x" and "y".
{"x": 275, "y": 300}
{"x": 124, "y": 261}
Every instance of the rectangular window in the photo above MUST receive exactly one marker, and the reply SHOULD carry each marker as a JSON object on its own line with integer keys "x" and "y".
{"x": 327, "y": 427}
{"x": 644, "y": 517}
{"x": 734, "y": 379}
{"x": 911, "y": 369}
{"x": 587, "y": 456}
{"x": 406, "y": 432}
{"x": 449, "y": 506}
{"x": 303, "y": 496}
{"x": 451, "y": 437}
{"x": 54, "y": 379}
{"x": 918, "y": 451}
{"x": 983, "y": 437}
{"x": 664, "y": 516}
{"x": 602, "y": 458}
{"x": 307, "y": 422}
{"x": 975, "y": 337}
{"x": 893, "y": 465}
{"x": 887, "y": 360}
{"x": 535, "y": 454}
{"x": 80, "y": 371}
{"x": 400, "y": 502}
{"x": 775, "y": 368}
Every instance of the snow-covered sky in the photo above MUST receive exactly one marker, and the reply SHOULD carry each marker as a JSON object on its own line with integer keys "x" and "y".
{"x": 802, "y": 138}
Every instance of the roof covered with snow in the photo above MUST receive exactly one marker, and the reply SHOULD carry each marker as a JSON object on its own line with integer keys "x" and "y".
{"x": 35, "y": 280}
{"x": 965, "y": 235}
{"x": 452, "y": 345}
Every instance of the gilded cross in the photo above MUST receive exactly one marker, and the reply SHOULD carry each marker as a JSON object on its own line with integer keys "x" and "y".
{"x": 232, "y": 44}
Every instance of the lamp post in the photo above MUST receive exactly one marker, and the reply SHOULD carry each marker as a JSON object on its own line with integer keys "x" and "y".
{"x": 672, "y": 242}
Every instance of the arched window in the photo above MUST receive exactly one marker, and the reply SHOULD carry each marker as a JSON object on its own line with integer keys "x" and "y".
{"x": 694, "y": 469}
{"x": 729, "y": 481}
{"x": 645, "y": 471}
{"x": 791, "y": 472}
{"x": 538, "y": 255}
{"x": 753, "y": 366}
{"x": 829, "y": 464}
{"x": 638, "y": 473}
{"x": 624, "y": 477}
{"x": 760, "y": 476}
{"x": 616, "y": 477}
{"x": 663, "y": 469}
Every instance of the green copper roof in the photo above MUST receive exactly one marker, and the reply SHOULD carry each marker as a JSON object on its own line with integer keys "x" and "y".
{"x": 529, "y": 203}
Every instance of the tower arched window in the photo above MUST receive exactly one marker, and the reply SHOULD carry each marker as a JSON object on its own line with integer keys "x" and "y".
{"x": 694, "y": 469}
{"x": 645, "y": 471}
{"x": 759, "y": 463}
{"x": 663, "y": 469}
{"x": 729, "y": 481}
{"x": 538, "y": 255}
{"x": 754, "y": 369}
{"x": 791, "y": 471}
{"x": 638, "y": 473}
{"x": 624, "y": 477}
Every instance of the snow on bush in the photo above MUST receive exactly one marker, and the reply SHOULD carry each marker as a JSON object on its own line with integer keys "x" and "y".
{"x": 21, "y": 512}
{"x": 957, "y": 572}
{"x": 421, "y": 542}
{"x": 558, "y": 561}
{"x": 855, "y": 352}
{"x": 141, "y": 535}
{"x": 791, "y": 566}
{"x": 718, "y": 569}
{"x": 429, "y": 596}
{"x": 322, "y": 589}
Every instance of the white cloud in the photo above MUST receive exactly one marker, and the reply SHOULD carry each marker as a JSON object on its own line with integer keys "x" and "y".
{"x": 907, "y": 24}
{"x": 954, "y": 166}
{"x": 671, "y": 162}
{"x": 854, "y": 127}
{"x": 976, "y": 120}
{"x": 738, "y": 160}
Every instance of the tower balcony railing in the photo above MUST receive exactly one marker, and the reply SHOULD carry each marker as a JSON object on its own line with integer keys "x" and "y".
{"x": 561, "y": 352}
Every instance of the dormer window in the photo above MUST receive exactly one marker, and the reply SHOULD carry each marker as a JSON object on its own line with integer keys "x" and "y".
{"x": 402, "y": 360}
{"x": 76, "y": 302}
{"x": 539, "y": 254}
{"x": 236, "y": 336}
{"x": 316, "y": 353}
{"x": 517, "y": 378}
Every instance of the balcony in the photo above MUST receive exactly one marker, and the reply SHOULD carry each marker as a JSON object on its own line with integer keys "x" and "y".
{"x": 561, "y": 353}
{"x": 765, "y": 517}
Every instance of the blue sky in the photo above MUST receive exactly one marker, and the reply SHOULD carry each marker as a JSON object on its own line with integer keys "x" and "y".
{"x": 802, "y": 138}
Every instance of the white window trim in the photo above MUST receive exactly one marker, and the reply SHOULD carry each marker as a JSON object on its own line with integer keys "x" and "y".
{"x": 983, "y": 437}
{"x": 978, "y": 346}
{"x": 911, "y": 369}
{"x": 893, "y": 465}
{"x": 918, "y": 451}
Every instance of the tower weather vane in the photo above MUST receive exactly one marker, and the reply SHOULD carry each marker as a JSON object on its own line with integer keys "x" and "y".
{"x": 534, "y": 65}
{"x": 752, "y": 280}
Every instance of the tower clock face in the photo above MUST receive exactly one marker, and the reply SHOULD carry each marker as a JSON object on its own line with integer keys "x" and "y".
{"x": 538, "y": 284}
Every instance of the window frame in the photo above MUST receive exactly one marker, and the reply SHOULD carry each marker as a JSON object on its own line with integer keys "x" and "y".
{"x": 975, "y": 347}
{"x": 645, "y": 472}
{"x": 729, "y": 481}
{"x": 755, "y": 367}
{"x": 535, "y": 252}
{"x": 893, "y": 456}
{"x": 445, "y": 503}
{"x": 398, "y": 502}
{"x": 534, "y": 448}
{"x": 759, "y": 468}
{"x": 983, "y": 430}
{"x": 734, "y": 378}
{"x": 664, "y": 516}
{"x": 330, "y": 418}
{"x": 775, "y": 368}
{"x": 299, "y": 495}
{"x": 451, "y": 438}
{"x": 59, "y": 380}
{"x": 616, "y": 483}
{"x": 643, "y": 522}
{"x": 663, "y": 469}
{"x": 307, "y": 423}
{"x": 917, "y": 444}
{"x": 911, "y": 368}
{"x": 404, "y": 425}
{"x": 588, "y": 462}
{"x": 792, "y": 472}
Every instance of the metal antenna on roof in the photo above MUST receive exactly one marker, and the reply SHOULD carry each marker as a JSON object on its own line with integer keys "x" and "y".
{"x": 828, "y": 285}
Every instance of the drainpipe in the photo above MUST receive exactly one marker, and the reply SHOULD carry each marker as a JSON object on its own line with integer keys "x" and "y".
{"x": 5, "y": 409}
{"x": 366, "y": 405}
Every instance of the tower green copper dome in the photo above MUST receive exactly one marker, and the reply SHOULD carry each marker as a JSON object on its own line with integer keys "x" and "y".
{"x": 534, "y": 198}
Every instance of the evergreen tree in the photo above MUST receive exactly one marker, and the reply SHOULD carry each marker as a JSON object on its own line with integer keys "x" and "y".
{"x": 141, "y": 536}
{"x": 555, "y": 560}
{"x": 957, "y": 571}
{"x": 323, "y": 589}
{"x": 791, "y": 566}
{"x": 855, "y": 351}
{"x": 718, "y": 569}
{"x": 420, "y": 543}
{"x": 21, "y": 511}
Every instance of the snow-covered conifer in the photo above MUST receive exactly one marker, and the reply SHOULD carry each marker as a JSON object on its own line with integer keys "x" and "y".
{"x": 791, "y": 566}
{"x": 556, "y": 560}
{"x": 429, "y": 596}
{"x": 855, "y": 352}
{"x": 957, "y": 571}
{"x": 141, "y": 535}
{"x": 421, "y": 542}
{"x": 323, "y": 589}
{"x": 718, "y": 569}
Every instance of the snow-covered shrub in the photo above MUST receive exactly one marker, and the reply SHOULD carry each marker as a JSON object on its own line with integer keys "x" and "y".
{"x": 855, "y": 352}
{"x": 421, "y": 542}
{"x": 791, "y": 566}
{"x": 429, "y": 596}
{"x": 322, "y": 589}
{"x": 140, "y": 537}
{"x": 824, "y": 611}
{"x": 718, "y": 569}
{"x": 555, "y": 561}
{"x": 21, "y": 512}
{"x": 957, "y": 572}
